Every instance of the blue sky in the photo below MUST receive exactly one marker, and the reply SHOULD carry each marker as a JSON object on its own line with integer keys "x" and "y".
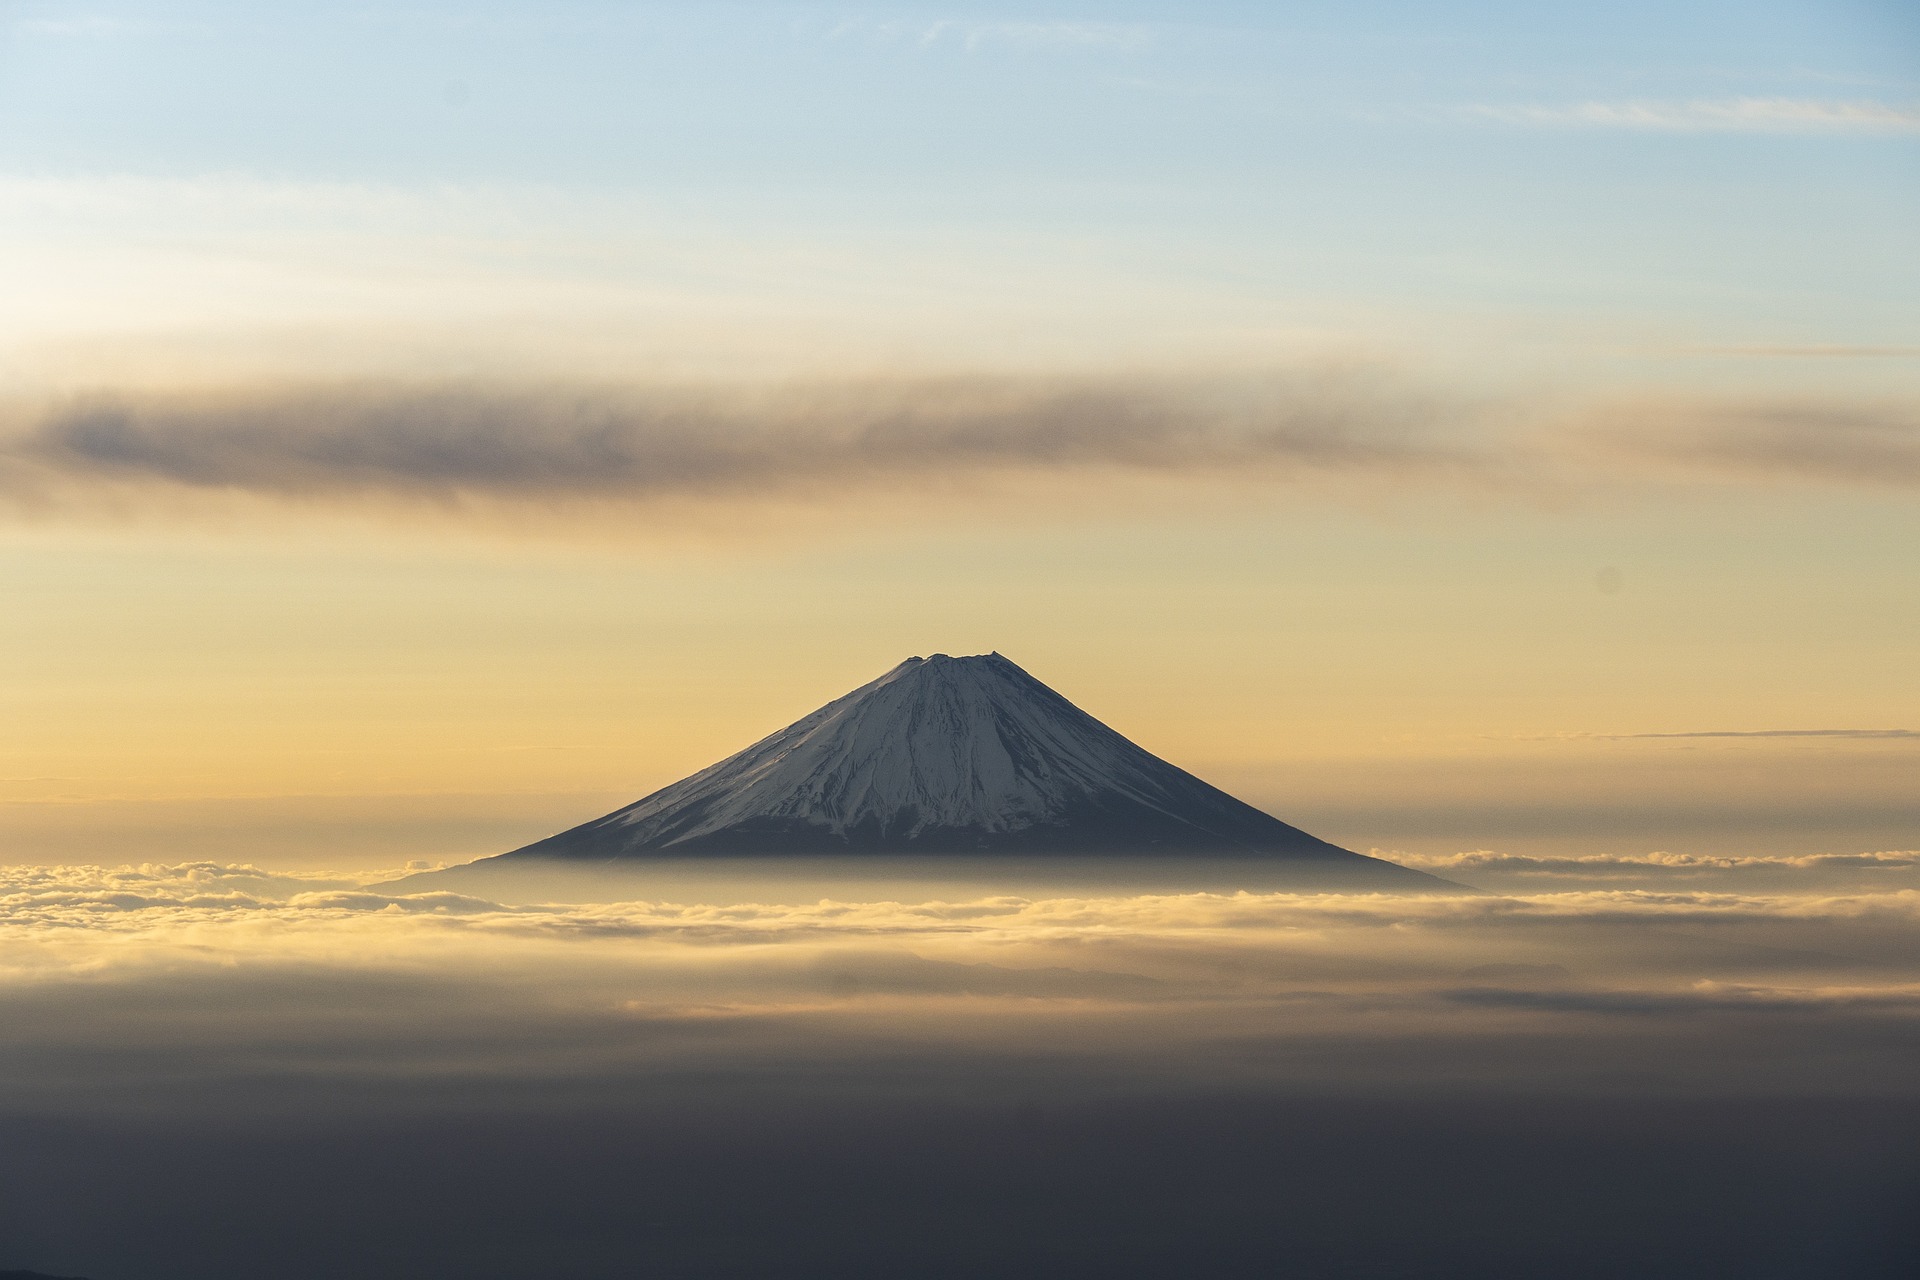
{"x": 1746, "y": 173}
{"x": 761, "y": 94}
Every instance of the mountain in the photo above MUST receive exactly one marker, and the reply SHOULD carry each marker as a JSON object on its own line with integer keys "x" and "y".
{"x": 943, "y": 755}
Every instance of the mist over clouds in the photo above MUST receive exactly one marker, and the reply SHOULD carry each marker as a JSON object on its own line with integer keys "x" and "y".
{"x": 1818, "y": 873}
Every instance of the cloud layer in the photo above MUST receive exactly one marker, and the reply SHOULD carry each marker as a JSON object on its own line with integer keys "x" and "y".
{"x": 1187, "y": 973}
{"x": 1812, "y": 874}
{"x": 543, "y": 445}
{"x": 475, "y": 448}
{"x": 215, "y": 1072}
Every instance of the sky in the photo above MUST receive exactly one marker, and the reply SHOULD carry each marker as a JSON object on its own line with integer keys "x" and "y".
{"x": 423, "y": 427}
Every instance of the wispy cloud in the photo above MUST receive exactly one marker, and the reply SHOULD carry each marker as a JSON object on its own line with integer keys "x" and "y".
{"x": 973, "y": 35}
{"x": 1771, "y": 733}
{"x": 1869, "y": 734}
{"x": 474, "y": 449}
{"x": 1850, "y": 443}
{"x": 1727, "y": 115}
{"x": 96, "y": 26}
{"x": 1040, "y": 35}
{"x": 550, "y": 444}
{"x": 1810, "y": 351}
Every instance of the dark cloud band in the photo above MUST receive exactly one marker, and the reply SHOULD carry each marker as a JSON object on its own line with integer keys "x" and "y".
{"x": 474, "y": 447}
{"x": 543, "y": 444}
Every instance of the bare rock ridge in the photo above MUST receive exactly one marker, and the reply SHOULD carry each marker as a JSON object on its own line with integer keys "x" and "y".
{"x": 943, "y": 755}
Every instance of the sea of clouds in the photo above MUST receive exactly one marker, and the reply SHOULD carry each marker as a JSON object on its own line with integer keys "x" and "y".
{"x": 205, "y": 1061}
{"x": 1588, "y": 973}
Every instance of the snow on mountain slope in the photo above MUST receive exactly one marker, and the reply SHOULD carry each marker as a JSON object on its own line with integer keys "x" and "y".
{"x": 939, "y": 755}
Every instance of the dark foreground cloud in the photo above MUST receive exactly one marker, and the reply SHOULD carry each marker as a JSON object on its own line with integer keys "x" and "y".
{"x": 754, "y": 1183}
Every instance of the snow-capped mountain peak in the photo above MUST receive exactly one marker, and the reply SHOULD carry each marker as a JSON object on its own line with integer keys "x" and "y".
{"x": 939, "y": 755}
